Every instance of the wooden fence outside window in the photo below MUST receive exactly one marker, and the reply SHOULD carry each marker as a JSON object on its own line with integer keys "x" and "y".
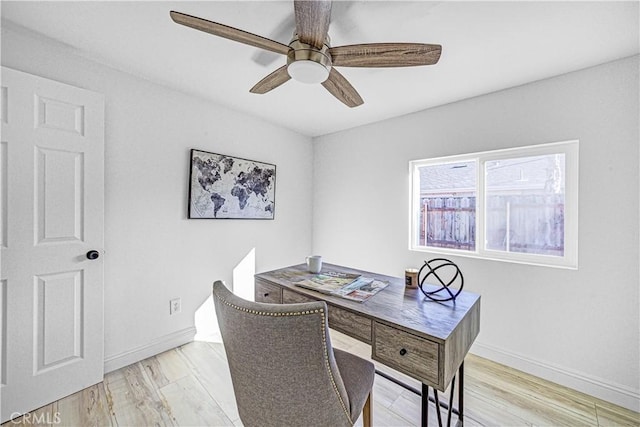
{"x": 515, "y": 223}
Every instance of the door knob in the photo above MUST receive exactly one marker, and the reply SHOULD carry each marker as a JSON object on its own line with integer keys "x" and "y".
{"x": 93, "y": 255}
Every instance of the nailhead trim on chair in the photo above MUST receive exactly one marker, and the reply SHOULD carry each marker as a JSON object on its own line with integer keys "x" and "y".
{"x": 324, "y": 339}
{"x": 326, "y": 361}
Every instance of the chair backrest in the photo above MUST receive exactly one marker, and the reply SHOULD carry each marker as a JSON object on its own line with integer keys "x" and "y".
{"x": 281, "y": 361}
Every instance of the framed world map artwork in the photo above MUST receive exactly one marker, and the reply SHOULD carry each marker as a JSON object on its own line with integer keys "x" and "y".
{"x": 226, "y": 187}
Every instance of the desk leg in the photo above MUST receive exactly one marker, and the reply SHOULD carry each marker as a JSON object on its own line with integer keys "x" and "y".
{"x": 450, "y": 408}
{"x": 425, "y": 398}
{"x": 424, "y": 422}
{"x": 461, "y": 395}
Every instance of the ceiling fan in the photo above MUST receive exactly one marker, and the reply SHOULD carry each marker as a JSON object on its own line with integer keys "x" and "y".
{"x": 310, "y": 57}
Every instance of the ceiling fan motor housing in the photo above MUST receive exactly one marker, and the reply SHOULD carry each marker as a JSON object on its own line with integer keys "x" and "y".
{"x": 307, "y": 64}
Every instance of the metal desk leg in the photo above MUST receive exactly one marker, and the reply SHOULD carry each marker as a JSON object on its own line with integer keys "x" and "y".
{"x": 425, "y": 398}
{"x": 424, "y": 422}
{"x": 450, "y": 408}
{"x": 461, "y": 395}
{"x": 438, "y": 411}
{"x": 459, "y": 411}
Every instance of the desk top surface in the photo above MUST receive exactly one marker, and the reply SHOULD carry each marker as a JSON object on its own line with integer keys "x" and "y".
{"x": 404, "y": 307}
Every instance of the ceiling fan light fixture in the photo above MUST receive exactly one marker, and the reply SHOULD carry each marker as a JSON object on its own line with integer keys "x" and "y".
{"x": 306, "y": 71}
{"x": 308, "y": 64}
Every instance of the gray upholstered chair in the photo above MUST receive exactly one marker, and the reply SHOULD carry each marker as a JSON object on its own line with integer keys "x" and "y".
{"x": 283, "y": 368}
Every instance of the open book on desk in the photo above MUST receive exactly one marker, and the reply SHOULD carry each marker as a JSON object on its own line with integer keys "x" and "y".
{"x": 344, "y": 285}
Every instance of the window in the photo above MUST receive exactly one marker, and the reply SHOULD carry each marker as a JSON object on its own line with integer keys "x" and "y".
{"x": 518, "y": 205}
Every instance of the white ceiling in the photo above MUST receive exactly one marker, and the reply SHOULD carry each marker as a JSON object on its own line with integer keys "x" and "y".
{"x": 487, "y": 46}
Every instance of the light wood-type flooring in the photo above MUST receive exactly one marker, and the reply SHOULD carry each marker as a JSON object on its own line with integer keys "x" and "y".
{"x": 191, "y": 386}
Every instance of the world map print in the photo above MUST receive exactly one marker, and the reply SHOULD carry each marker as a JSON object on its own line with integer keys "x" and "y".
{"x": 230, "y": 187}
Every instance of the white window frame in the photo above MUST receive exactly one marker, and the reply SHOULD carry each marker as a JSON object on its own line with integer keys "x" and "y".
{"x": 570, "y": 257}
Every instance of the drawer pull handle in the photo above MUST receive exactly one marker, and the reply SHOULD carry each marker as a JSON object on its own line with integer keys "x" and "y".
{"x": 403, "y": 351}
{"x": 266, "y": 295}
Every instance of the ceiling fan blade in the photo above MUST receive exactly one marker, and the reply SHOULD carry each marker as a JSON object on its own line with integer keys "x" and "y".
{"x": 339, "y": 87}
{"x": 312, "y": 21}
{"x": 272, "y": 81}
{"x": 385, "y": 55}
{"x": 283, "y": 31}
{"x": 229, "y": 32}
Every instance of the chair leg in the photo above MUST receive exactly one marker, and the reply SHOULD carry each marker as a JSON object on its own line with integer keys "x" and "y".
{"x": 367, "y": 419}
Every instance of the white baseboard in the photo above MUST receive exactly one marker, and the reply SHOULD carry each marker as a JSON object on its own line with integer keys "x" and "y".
{"x": 159, "y": 345}
{"x": 597, "y": 387}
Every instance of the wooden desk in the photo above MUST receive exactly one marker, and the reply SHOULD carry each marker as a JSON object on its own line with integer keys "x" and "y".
{"x": 423, "y": 339}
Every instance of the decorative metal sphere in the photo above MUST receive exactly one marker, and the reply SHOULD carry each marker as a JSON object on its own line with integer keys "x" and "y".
{"x": 436, "y": 270}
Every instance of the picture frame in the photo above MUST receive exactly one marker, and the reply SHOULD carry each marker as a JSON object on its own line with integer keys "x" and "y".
{"x": 229, "y": 187}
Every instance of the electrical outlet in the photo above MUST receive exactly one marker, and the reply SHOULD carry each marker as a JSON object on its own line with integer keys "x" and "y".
{"x": 175, "y": 306}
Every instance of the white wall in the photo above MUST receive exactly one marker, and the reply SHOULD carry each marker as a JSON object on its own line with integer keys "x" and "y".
{"x": 153, "y": 253}
{"x": 576, "y": 327}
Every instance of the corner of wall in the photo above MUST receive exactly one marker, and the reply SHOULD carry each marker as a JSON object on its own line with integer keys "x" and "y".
{"x": 157, "y": 346}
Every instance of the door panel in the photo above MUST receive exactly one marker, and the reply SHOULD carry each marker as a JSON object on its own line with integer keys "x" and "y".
{"x": 60, "y": 195}
{"x": 3, "y": 192}
{"x": 57, "y": 114}
{"x": 58, "y": 319}
{"x": 3, "y": 330}
{"x": 52, "y": 183}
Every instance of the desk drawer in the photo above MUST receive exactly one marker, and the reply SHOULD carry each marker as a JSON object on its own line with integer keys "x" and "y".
{"x": 354, "y": 325}
{"x": 266, "y": 292}
{"x": 290, "y": 297}
{"x": 408, "y": 353}
{"x": 341, "y": 320}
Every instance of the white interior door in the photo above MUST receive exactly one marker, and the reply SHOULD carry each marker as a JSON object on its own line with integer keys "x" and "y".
{"x": 52, "y": 206}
